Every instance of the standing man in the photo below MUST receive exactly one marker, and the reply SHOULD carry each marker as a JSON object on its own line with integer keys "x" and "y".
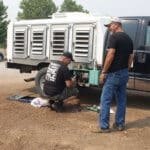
{"x": 114, "y": 76}
{"x": 59, "y": 85}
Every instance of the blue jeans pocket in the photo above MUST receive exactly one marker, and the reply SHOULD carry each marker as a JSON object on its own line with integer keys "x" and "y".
{"x": 113, "y": 79}
{"x": 118, "y": 78}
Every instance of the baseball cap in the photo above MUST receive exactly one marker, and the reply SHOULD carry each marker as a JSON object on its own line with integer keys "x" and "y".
{"x": 112, "y": 20}
{"x": 68, "y": 55}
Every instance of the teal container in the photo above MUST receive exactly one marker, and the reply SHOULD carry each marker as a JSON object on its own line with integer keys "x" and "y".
{"x": 94, "y": 77}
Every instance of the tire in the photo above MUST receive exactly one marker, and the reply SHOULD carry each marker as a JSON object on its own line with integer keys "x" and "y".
{"x": 39, "y": 81}
{"x": 1, "y": 57}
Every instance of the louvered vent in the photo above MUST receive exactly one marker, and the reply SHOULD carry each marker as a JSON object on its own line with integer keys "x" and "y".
{"x": 58, "y": 43}
{"x": 19, "y": 42}
{"x": 37, "y": 42}
{"x": 81, "y": 47}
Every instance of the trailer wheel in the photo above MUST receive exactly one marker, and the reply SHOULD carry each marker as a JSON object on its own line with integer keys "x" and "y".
{"x": 39, "y": 81}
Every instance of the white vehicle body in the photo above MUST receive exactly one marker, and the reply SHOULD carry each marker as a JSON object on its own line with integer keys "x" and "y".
{"x": 31, "y": 44}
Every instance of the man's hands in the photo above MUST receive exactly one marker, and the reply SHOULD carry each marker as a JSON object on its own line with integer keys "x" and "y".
{"x": 74, "y": 82}
{"x": 108, "y": 61}
{"x": 102, "y": 78}
{"x": 71, "y": 83}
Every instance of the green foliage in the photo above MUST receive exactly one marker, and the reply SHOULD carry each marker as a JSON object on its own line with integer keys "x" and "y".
{"x": 3, "y": 24}
{"x": 36, "y": 9}
{"x": 71, "y": 6}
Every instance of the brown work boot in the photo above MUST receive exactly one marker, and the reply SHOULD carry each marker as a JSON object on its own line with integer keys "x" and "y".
{"x": 118, "y": 128}
{"x": 98, "y": 130}
{"x": 58, "y": 107}
{"x": 74, "y": 101}
{"x": 73, "y": 105}
{"x": 107, "y": 130}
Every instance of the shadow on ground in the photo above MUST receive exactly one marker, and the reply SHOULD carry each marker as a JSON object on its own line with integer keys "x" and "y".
{"x": 134, "y": 99}
{"x": 91, "y": 96}
{"x": 140, "y": 123}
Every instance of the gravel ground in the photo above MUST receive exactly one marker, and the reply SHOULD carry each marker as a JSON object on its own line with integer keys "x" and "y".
{"x": 24, "y": 127}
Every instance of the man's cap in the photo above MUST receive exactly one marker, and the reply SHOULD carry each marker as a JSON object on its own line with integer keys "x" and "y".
{"x": 112, "y": 20}
{"x": 68, "y": 55}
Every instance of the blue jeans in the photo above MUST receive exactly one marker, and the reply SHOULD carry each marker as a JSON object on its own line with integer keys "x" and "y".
{"x": 115, "y": 84}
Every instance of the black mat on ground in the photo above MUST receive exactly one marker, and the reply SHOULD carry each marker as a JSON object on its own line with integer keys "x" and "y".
{"x": 21, "y": 98}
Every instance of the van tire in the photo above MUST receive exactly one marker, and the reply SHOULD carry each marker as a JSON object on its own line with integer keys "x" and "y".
{"x": 39, "y": 81}
{"x": 1, "y": 57}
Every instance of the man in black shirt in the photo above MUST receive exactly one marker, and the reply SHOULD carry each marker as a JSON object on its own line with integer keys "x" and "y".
{"x": 114, "y": 75}
{"x": 59, "y": 84}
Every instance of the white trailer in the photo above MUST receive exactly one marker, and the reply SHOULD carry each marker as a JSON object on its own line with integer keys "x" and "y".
{"x": 31, "y": 44}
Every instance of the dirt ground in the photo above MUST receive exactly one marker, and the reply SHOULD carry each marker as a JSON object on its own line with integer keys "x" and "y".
{"x": 24, "y": 127}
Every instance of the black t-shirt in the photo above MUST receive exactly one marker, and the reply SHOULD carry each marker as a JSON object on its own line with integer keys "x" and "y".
{"x": 123, "y": 45}
{"x": 56, "y": 75}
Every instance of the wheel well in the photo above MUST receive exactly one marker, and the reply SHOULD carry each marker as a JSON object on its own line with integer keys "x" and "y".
{"x": 1, "y": 55}
{"x": 39, "y": 81}
{"x": 42, "y": 65}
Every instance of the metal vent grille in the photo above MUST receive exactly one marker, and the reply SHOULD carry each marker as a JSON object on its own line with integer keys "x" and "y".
{"x": 81, "y": 47}
{"x": 58, "y": 43}
{"x": 37, "y": 42}
{"x": 19, "y": 42}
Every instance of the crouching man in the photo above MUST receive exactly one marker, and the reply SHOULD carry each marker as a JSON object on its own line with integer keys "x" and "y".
{"x": 59, "y": 86}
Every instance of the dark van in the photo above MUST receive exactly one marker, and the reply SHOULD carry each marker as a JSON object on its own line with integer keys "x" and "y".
{"x": 138, "y": 28}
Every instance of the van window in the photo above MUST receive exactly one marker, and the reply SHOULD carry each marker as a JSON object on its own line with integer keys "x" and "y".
{"x": 130, "y": 27}
{"x": 147, "y": 44}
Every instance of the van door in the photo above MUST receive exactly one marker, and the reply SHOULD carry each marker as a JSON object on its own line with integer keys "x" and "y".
{"x": 142, "y": 59}
{"x": 20, "y": 42}
{"x": 83, "y": 42}
{"x": 59, "y": 40}
{"x": 38, "y": 42}
{"x": 131, "y": 27}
